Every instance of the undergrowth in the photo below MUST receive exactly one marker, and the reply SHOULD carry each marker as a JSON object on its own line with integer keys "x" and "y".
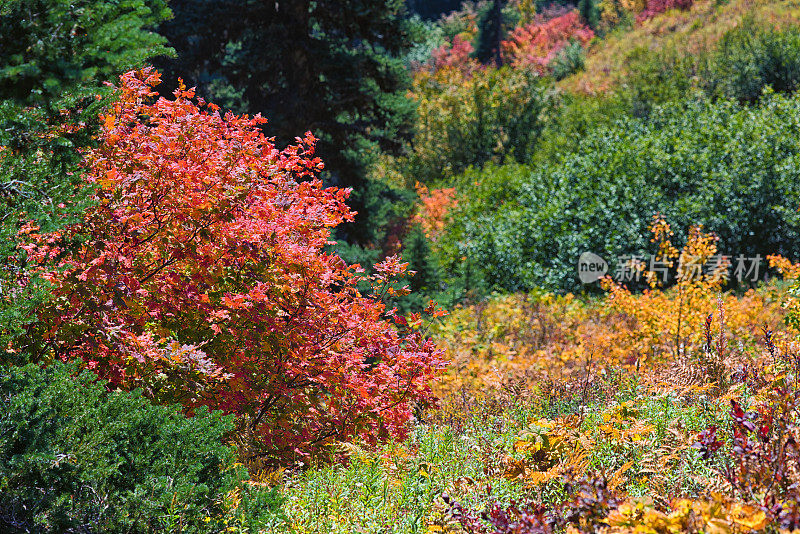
{"x": 580, "y": 415}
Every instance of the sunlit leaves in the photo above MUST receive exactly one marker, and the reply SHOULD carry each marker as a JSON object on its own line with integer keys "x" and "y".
{"x": 204, "y": 278}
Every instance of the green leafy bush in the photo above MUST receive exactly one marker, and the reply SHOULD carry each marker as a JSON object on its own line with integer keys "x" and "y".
{"x": 569, "y": 60}
{"x": 469, "y": 118}
{"x": 747, "y": 59}
{"x": 257, "y": 508}
{"x": 77, "y": 458}
{"x": 733, "y": 169}
{"x": 656, "y": 78}
{"x": 751, "y": 57}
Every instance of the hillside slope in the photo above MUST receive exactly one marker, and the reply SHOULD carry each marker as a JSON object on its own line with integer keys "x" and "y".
{"x": 686, "y": 32}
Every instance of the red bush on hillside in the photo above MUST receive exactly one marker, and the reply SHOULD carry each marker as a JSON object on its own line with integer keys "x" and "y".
{"x": 201, "y": 273}
{"x": 537, "y": 44}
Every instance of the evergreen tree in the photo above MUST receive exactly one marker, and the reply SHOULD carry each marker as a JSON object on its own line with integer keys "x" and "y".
{"x": 332, "y": 67}
{"x": 590, "y": 13}
{"x": 53, "y": 47}
{"x": 433, "y": 9}
{"x": 490, "y": 34}
{"x": 425, "y": 283}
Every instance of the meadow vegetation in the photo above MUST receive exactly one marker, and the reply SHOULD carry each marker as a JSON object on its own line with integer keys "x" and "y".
{"x": 562, "y": 412}
{"x": 361, "y": 312}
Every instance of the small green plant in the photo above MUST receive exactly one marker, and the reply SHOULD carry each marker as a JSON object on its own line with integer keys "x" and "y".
{"x": 569, "y": 60}
{"x": 75, "y": 457}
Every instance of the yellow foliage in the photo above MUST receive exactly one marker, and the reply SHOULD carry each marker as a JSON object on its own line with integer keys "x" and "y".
{"x": 612, "y": 11}
{"x": 547, "y": 450}
{"x": 717, "y": 515}
{"x": 529, "y": 338}
{"x": 622, "y": 424}
{"x": 509, "y": 347}
{"x": 527, "y": 11}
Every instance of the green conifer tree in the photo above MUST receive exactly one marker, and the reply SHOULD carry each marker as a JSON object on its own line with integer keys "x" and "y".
{"x": 330, "y": 67}
{"x": 490, "y": 35}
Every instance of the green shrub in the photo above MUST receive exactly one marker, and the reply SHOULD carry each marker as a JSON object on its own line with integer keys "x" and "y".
{"x": 469, "y": 119}
{"x": 590, "y": 13}
{"x": 577, "y": 116}
{"x": 656, "y": 78}
{"x": 569, "y": 60}
{"x": 733, "y": 169}
{"x": 257, "y": 509}
{"x": 747, "y": 59}
{"x": 77, "y": 458}
{"x": 751, "y": 57}
{"x": 416, "y": 250}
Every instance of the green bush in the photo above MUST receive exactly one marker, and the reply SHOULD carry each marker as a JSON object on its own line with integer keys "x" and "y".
{"x": 734, "y": 169}
{"x": 467, "y": 120}
{"x": 424, "y": 285}
{"x": 258, "y": 509}
{"x": 746, "y": 60}
{"x": 751, "y": 57}
{"x": 656, "y": 78}
{"x": 77, "y": 458}
{"x": 577, "y": 116}
{"x": 569, "y": 60}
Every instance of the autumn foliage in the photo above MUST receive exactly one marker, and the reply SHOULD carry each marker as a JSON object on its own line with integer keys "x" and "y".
{"x": 457, "y": 55}
{"x": 201, "y": 274}
{"x": 546, "y": 337}
{"x": 536, "y": 44}
{"x": 654, "y": 7}
{"x": 434, "y": 205}
{"x": 705, "y": 440}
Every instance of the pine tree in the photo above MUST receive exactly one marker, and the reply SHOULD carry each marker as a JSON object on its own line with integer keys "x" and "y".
{"x": 433, "y": 9}
{"x": 490, "y": 35}
{"x": 334, "y": 68}
{"x": 590, "y": 13}
{"x": 50, "y": 47}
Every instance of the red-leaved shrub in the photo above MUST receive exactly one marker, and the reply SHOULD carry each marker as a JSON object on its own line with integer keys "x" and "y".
{"x": 456, "y": 55}
{"x": 201, "y": 274}
{"x": 536, "y": 44}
